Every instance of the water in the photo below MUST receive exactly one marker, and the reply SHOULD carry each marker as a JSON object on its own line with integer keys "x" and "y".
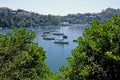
{"x": 57, "y": 53}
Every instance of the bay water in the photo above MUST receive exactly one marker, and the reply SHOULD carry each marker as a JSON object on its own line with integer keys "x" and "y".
{"x": 57, "y": 53}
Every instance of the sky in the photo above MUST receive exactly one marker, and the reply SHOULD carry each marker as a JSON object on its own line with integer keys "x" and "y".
{"x": 61, "y": 7}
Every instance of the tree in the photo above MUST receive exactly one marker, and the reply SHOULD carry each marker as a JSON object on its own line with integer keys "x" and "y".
{"x": 97, "y": 56}
{"x": 21, "y": 58}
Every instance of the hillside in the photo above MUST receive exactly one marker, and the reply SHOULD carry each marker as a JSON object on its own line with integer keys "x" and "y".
{"x": 22, "y": 18}
{"x": 87, "y": 17}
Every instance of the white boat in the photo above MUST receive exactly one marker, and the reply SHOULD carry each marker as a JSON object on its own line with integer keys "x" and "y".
{"x": 44, "y": 35}
{"x": 61, "y": 41}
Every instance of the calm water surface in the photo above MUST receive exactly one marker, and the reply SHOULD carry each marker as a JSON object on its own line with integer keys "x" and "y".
{"x": 57, "y": 53}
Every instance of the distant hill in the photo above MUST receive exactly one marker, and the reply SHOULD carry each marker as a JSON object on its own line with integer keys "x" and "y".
{"x": 22, "y": 18}
{"x": 87, "y": 17}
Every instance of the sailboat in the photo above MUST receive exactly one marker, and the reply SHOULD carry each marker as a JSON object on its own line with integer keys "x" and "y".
{"x": 58, "y": 33}
{"x": 47, "y": 37}
{"x": 61, "y": 41}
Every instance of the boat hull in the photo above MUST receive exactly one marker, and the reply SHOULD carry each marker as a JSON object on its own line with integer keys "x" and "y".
{"x": 58, "y": 34}
{"x": 64, "y": 36}
{"x": 75, "y": 40}
{"x": 48, "y": 38}
{"x": 61, "y": 42}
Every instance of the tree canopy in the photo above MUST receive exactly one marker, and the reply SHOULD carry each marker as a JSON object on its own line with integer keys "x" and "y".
{"x": 97, "y": 55}
{"x": 87, "y": 17}
{"x": 21, "y": 58}
{"x": 21, "y": 18}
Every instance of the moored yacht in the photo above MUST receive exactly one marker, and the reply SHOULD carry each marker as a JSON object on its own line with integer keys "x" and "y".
{"x": 61, "y": 41}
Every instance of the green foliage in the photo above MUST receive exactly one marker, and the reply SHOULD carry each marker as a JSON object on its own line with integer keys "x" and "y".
{"x": 22, "y": 18}
{"x": 20, "y": 58}
{"x": 97, "y": 55}
{"x": 87, "y": 17}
